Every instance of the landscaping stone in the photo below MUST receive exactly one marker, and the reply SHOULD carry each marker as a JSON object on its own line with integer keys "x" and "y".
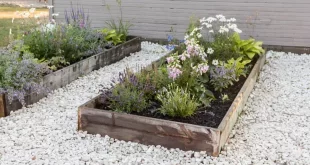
{"x": 274, "y": 127}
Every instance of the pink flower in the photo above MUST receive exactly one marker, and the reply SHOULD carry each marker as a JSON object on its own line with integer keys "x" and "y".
{"x": 202, "y": 68}
{"x": 174, "y": 73}
{"x": 169, "y": 59}
{"x": 182, "y": 57}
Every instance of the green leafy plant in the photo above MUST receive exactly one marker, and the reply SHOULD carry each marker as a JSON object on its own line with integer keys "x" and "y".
{"x": 128, "y": 100}
{"x": 120, "y": 27}
{"x": 224, "y": 98}
{"x": 19, "y": 74}
{"x": 239, "y": 66}
{"x": 130, "y": 94}
{"x": 157, "y": 77}
{"x": 65, "y": 44}
{"x": 112, "y": 36}
{"x": 177, "y": 102}
{"x": 222, "y": 77}
{"x": 248, "y": 48}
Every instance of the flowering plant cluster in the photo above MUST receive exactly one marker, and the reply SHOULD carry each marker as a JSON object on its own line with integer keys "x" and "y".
{"x": 213, "y": 57}
{"x": 62, "y": 44}
{"x": 20, "y": 74}
{"x": 46, "y": 46}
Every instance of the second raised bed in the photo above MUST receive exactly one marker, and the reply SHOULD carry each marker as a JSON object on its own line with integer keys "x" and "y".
{"x": 70, "y": 73}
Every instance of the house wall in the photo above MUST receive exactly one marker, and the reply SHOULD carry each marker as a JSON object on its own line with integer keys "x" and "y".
{"x": 276, "y": 22}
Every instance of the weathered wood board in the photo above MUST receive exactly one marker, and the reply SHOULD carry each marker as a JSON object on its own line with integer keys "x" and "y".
{"x": 70, "y": 73}
{"x": 170, "y": 134}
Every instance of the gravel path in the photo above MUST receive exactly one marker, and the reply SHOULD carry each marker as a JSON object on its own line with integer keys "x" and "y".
{"x": 274, "y": 128}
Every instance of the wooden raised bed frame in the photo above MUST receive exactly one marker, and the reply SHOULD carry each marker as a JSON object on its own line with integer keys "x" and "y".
{"x": 70, "y": 73}
{"x": 170, "y": 134}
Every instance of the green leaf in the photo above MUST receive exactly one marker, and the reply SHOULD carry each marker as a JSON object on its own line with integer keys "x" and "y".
{"x": 250, "y": 54}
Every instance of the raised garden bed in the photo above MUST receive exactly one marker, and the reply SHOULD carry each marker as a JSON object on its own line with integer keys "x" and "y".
{"x": 70, "y": 73}
{"x": 170, "y": 134}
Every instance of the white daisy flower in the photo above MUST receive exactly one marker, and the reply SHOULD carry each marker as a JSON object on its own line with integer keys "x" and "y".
{"x": 237, "y": 30}
{"x": 215, "y": 62}
{"x": 210, "y": 19}
{"x": 210, "y": 51}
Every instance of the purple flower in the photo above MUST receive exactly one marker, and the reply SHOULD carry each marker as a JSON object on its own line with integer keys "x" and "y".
{"x": 170, "y": 38}
{"x": 170, "y": 47}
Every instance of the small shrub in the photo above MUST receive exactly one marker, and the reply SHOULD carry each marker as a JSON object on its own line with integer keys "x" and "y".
{"x": 129, "y": 94}
{"x": 239, "y": 65}
{"x": 128, "y": 100}
{"x": 20, "y": 74}
{"x": 221, "y": 77}
{"x": 119, "y": 28}
{"x": 112, "y": 36}
{"x": 65, "y": 42}
{"x": 247, "y": 48}
{"x": 177, "y": 102}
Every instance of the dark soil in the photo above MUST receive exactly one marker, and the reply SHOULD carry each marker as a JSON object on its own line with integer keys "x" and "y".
{"x": 204, "y": 116}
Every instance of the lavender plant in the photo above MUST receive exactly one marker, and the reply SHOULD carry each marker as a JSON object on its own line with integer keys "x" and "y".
{"x": 77, "y": 17}
{"x": 20, "y": 74}
{"x": 130, "y": 94}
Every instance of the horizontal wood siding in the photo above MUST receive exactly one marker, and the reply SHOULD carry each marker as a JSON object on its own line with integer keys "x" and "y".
{"x": 278, "y": 22}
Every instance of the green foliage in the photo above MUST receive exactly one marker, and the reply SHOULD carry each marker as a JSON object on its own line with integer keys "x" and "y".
{"x": 64, "y": 44}
{"x": 20, "y": 73}
{"x": 56, "y": 62}
{"x": 239, "y": 66}
{"x": 132, "y": 93}
{"x": 222, "y": 77}
{"x": 128, "y": 100}
{"x": 177, "y": 102}
{"x": 205, "y": 96}
{"x": 193, "y": 23}
{"x": 224, "y": 98}
{"x": 223, "y": 47}
{"x": 120, "y": 27}
{"x": 112, "y": 36}
{"x": 248, "y": 48}
{"x": 194, "y": 82}
{"x": 157, "y": 77}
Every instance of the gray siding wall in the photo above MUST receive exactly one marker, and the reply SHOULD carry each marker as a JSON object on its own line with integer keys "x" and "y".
{"x": 276, "y": 22}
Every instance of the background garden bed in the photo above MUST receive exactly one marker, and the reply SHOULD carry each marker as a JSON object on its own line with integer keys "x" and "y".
{"x": 171, "y": 134}
{"x": 70, "y": 73}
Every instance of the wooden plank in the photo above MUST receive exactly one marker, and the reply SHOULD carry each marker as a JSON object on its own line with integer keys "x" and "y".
{"x": 235, "y": 109}
{"x": 2, "y": 106}
{"x": 151, "y": 139}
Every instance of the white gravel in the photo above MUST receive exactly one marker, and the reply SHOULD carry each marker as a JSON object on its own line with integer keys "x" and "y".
{"x": 274, "y": 128}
